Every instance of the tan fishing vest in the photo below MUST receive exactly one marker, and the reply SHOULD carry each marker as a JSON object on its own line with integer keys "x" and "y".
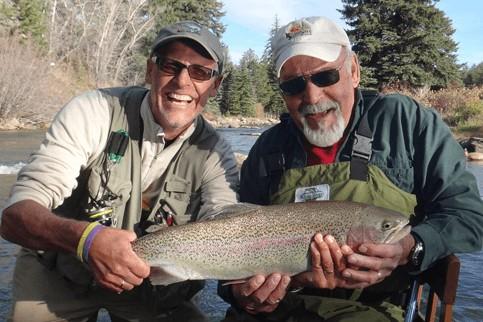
{"x": 181, "y": 189}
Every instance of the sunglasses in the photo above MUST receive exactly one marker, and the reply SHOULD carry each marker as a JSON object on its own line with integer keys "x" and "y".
{"x": 297, "y": 85}
{"x": 174, "y": 67}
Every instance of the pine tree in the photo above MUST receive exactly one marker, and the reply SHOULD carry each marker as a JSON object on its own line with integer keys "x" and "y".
{"x": 473, "y": 76}
{"x": 258, "y": 76}
{"x": 275, "y": 104}
{"x": 29, "y": 19}
{"x": 226, "y": 89}
{"x": 404, "y": 42}
{"x": 205, "y": 12}
{"x": 245, "y": 93}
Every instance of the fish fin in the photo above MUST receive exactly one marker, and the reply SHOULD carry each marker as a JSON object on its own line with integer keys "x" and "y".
{"x": 160, "y": 276}
{"x": 233, "y": 210}
{"x": 169, "y": 274}
{"x": 233, "y": 282}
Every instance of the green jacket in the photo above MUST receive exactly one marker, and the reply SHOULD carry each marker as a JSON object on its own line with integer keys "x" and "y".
{"x": 414, "y": 149}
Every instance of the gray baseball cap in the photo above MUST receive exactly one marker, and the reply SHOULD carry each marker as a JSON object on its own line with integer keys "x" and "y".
{"x": 195, "y": 31}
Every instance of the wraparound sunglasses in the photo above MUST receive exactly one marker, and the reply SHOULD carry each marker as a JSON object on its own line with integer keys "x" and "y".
{"x": 297, "y": 85}
{"x": 174, "y": 67}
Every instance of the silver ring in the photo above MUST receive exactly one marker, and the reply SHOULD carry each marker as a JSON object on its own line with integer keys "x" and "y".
{"x": 122, "y": 284}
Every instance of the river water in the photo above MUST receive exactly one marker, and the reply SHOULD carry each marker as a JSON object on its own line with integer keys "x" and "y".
{"x": 15, "y": 147}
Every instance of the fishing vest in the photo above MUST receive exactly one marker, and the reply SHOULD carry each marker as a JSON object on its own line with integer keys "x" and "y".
{"x": 354, "y": 180}
{"x": 115, "y": 177}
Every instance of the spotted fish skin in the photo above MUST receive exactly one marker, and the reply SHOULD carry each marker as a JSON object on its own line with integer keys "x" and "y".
{"x": 262, "y": 240}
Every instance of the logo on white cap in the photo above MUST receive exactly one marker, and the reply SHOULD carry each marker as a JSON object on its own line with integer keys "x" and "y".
{"x": 298, "y": 28}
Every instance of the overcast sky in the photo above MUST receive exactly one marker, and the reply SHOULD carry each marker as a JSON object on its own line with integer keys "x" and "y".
{"x": 248, "y": 23}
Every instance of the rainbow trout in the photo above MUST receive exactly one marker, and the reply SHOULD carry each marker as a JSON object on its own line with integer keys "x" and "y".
{"x": 248, "y": 239}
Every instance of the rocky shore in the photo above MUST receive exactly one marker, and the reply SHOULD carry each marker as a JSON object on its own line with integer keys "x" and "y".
{"x": 215, "y": 121}
{"x": 237, "y": 122}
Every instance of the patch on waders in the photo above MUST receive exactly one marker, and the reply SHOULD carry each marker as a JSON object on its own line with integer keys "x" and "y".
{"x": 318, "y": 192}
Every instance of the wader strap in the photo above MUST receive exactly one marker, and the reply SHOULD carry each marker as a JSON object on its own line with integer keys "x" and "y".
{"x": 273, "y": 166}
{"x": 362, "y": 145}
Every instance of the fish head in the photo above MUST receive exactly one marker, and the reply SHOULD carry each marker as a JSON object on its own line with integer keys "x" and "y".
{"x": 378, "y": 225}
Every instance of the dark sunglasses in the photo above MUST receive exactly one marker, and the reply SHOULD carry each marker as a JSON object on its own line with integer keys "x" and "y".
{"x": 174, "y": 67}
{"x": 297, "y": 85}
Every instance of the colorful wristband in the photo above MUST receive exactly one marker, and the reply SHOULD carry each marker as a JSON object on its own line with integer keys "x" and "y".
{"x": 88, "y": 242}
{"x": 82, "y": 240}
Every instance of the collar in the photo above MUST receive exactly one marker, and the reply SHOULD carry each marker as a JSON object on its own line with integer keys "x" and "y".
{"x": 154, "y": 132}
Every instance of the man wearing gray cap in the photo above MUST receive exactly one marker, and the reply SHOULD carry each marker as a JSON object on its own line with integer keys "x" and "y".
{"x": 341, "y": 143}
{"x": 117, "y": 163}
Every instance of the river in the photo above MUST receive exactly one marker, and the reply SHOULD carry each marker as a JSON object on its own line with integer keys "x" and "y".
{"x": 15, "y": 147}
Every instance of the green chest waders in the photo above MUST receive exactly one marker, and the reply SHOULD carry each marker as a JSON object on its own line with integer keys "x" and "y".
{"x": 354, "y": 180}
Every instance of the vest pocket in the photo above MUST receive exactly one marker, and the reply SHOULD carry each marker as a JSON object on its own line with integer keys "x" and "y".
{"x": 177, "y": 196}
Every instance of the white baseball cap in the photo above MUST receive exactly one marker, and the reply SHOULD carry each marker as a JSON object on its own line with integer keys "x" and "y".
{"x": 317, "y": 37}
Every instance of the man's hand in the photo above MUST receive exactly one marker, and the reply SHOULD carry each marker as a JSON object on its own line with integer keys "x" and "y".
{"x": 114, "y": 263}
{"x": 261, "y": 293}
{"x": 372, "y": 263}
{"x": 328, "y": 261}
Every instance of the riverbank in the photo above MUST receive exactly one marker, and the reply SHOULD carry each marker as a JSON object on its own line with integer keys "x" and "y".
{"x": 215, "y": 121}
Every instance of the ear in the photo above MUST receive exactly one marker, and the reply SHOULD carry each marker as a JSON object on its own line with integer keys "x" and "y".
{"x": 355, "y": 71}
{"x": 149, "y": 71}
{"x": 216, "y": 85}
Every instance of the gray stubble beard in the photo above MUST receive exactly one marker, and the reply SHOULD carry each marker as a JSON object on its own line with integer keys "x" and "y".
{"x": 323, "y": 137}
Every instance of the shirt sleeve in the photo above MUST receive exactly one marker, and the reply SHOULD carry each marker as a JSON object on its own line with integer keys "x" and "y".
{"x": 76, "y": 137}
{"x": 254, "y": 188}
{"x": 447, "y": 193}
{"x": 220, "y": 181}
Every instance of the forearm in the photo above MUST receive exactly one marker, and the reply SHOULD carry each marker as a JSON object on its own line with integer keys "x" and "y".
{"x": 33, "y": 226}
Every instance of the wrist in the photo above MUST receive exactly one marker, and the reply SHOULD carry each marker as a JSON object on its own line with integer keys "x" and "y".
{"x": 416, "y": 254}
{"x": 86, "y": 239}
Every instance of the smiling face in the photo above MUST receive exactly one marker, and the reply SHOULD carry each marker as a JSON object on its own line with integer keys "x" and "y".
{"x": 176, "y": 100}
{"x": 322, "y": 113}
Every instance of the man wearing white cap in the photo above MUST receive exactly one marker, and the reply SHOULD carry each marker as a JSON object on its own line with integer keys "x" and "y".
{"x": 116, "y": 163}
{"x": 341, "y": 143}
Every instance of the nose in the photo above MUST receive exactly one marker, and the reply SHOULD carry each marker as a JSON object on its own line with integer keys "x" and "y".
{"x": 312, "y": 93}
{"x": 182, "y": 78}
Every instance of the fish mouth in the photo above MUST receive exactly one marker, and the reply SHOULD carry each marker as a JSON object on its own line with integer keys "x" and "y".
{"x": 397, "y": 234}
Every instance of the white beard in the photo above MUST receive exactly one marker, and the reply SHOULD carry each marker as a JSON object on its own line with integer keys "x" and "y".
{"x": 324, "y": 136}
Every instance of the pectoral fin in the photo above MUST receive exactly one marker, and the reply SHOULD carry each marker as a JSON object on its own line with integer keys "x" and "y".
{"x": 169, "y": 274}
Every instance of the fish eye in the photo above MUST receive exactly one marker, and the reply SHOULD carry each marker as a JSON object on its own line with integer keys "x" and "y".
{"x": 386, "y": 225}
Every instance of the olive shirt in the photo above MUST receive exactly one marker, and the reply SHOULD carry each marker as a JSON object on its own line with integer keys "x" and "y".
{"x": 414, "y": 149}
{"x": 78, "y": 136}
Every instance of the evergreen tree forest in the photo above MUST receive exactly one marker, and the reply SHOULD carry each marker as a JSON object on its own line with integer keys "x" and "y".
{"x": 402, "y": 42}
{"x": 405, "y": 43}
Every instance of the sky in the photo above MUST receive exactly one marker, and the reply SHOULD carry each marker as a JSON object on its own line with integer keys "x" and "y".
{"x": 248, "y": 23}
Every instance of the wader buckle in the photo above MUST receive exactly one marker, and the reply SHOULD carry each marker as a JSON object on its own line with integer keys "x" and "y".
{"x": 362, "y": 147}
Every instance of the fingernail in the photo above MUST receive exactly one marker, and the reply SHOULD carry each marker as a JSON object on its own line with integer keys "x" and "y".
{"x": 363, "y": 249}
{"x": 285, "y": 280}
{"x": 346, "y": 274}
{"x": 352, "y": 260}
{"x": 275, "y": 279}
{"x": 259, "y": 280}
{"x": 318, "y": 238}
{"x": 330, "y": 239}
{"x": 346, "y": 248}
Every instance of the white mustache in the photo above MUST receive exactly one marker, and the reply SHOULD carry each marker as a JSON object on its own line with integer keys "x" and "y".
{"x": 319, "y": 107}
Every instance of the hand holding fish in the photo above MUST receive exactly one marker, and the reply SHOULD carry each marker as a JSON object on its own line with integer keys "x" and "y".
{"x": 261, "y": 293}
{"x": 113, "y": 261}
{"x": 374, "y": 262}
{"x": 327, "y": 264}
